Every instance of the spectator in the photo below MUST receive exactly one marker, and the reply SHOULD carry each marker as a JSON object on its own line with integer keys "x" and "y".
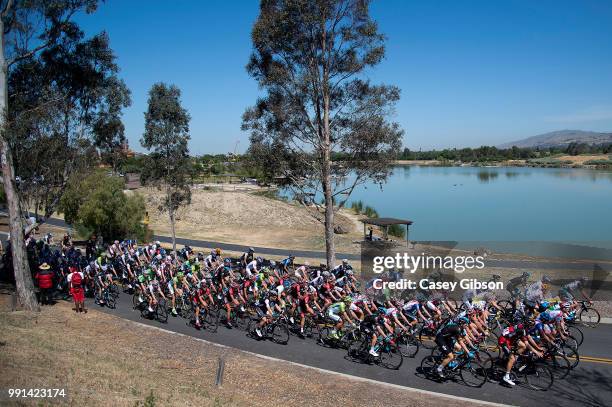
{"x": 90, "y": 248}
{"x": 75, "y": 281}
{"x": 44, "y": 278}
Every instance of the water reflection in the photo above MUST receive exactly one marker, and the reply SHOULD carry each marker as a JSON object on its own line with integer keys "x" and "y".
{"x": 487, "y": 176}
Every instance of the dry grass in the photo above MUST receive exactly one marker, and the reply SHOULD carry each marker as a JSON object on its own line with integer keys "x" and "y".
{"x": 107, "y": 361}
{"x": 581, "y": 159}
{"x": 250, "y": 219}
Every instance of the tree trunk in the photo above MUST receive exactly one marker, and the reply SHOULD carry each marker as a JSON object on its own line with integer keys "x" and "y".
{"x": 330, "y": 248}
{"x": 172, "y": 222}
{"x": 23, "y": 276}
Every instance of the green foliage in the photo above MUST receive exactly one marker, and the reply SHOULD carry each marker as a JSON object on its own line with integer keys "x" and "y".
{"x": 397, "y": 231}
{"x": 600, "y": 163}
{"x": 133, "y": 164}
{"x": 370, "y": 212}
{"x": 98, "y": 204}
{"x": 357, "y": 206}
{"x": 490, "y": 153}
{"x": 166, "y": 136}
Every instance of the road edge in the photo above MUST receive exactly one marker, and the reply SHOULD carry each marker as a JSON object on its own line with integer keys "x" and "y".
{"x": 344, "y": 375}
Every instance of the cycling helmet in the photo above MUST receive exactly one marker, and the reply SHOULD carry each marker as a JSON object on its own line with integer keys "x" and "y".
{"x": 495, "y": 277}
{"x": 463, "y": 321}
{"x": 180, "y": 274}
{"x": 251, "y": 250}
{"x": 259, "y": 260}
{"x": 272, "y": 263}
{"x": 345, "y": 261}
{"x": 546, "y": 279}
{"x": 525, "y": 274}
{"x": 326, "y": 274}
{"x": 347, "y": 299}
{"x": 382, "y": 310}
{"x": 273, "y": 293}
{"x": 545, "y": 317}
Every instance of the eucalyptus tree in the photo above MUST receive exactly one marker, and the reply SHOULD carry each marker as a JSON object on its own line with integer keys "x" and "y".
{"x": 166, "y": 136}
{"x": 51, "y": 81}
{"x": 311, "y": 57}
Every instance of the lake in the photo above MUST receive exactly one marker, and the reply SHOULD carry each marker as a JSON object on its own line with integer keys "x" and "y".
{"x": 497, "y": 204}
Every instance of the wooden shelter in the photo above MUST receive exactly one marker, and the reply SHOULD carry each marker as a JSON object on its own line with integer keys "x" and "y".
{"x": 384, "y": 224}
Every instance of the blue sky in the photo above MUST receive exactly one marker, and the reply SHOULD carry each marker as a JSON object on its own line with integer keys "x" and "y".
{"x": 471, "y": 72}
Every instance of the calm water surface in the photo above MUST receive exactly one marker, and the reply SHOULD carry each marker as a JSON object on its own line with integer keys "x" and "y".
{"x": 497, "y": 204}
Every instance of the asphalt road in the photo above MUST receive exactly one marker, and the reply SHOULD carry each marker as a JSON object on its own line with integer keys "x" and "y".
{"x": 589, "y": 384}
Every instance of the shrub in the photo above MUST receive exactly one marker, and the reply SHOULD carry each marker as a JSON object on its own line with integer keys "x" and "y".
{"x": 370, "y": 212}
{"x": 357, "y": 207}
{"x": 397, "y": 231}
{"x": 98, "y": 204}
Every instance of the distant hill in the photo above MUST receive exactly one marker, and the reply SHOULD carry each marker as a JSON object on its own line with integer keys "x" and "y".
{"x": 561, "y": 138}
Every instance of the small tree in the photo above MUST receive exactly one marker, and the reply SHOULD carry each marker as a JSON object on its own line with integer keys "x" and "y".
{"x": 98, "y": 204}
{"x": 310, "y": 56}
{"x": 166, "y": 136}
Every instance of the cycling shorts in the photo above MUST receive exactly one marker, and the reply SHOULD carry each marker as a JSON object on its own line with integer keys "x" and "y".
{"x": 333, "y": 316}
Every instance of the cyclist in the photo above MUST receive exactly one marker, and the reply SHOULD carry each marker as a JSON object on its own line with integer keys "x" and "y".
{"x": 247, "y": 257}
{"x": 338, "y": 312}
{"x": 449, "y": 339}
{"x": 535, "y": 291}
{"x": 516, "y": 285}
{"x": 567, "y": 291}
{"x": 287, "y": 263}
{"x": 175, "y": 285}
{"x": 266, "y": 308}
{"x": 514, "y": 341}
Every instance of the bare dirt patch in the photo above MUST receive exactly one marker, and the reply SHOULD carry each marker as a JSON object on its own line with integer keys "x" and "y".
{"x": 249, "y": 219}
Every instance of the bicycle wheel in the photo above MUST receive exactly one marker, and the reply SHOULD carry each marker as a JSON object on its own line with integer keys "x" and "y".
{"x": 490, "y": 343}
{"x": 589, "y": 317}
{"x": 211, "y": 320}
{"x": 408, "y": 346}
{"x": 110, "y": 301}
{"x": 576, "y": 333}
{"x": 571, "y": 342}
{"x": 347, "y": 338}
{"x": 323, "y": 334}
{"x": 428, "y": 365}
{"x": 560, "y": 366}
{"x": 390, "y": 357}
{"x": 241, "y": 320}
{"x": 426, "y": 337}
{"x": 161, "y": 311}
{"x": 136, "y": 299}
{"x": 571, "y": 354}
{"x": 357, "y": 350}
{"x": 185, "y": 308}
{"x": 487, "y": 361}
{"x": 539, "y": 377}
{"x": 113, "y": 290}
{"x": 280, "y": 333}
{"x": 473, "y": 373}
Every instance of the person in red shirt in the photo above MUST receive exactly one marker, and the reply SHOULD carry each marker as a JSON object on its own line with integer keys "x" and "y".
{"x": 75, "y": 281}
{"x": 44, "y": 279}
